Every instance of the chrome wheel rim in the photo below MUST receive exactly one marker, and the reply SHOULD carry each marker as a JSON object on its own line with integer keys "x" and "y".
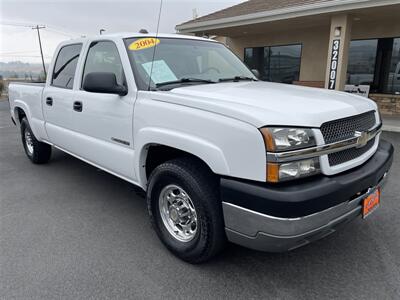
{"x": 178, "y": 213}
{"x": 28, "y": 142}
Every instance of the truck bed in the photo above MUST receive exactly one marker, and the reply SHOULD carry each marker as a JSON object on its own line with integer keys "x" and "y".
{"x": 39, "y": 84}
{"x": 28, "y": 96}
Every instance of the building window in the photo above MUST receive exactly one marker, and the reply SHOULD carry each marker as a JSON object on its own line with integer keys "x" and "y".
{"x": 375, "y": 62}
{"x": 277, "y": 63}
{"x": 362, "y": 57}
{"x": 392, "y": 85}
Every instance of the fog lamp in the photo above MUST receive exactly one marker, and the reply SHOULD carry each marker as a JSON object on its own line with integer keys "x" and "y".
{"x": 292, "y": 170}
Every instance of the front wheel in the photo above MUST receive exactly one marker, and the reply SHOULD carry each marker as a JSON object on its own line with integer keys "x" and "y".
{"x": 185, "y": 209}
{"x": 37, "y": 152}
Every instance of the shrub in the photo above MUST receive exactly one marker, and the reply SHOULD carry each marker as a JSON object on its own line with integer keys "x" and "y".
{"x": 1, "y": 86}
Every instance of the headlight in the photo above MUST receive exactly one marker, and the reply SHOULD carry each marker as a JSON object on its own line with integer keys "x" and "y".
{"x": 292, "y": 170}
{"x": 286, "y": 139}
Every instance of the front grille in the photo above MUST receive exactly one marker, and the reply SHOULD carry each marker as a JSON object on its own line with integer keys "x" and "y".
{"x": 341, "y": 157}
{"x": 342, "y": 129}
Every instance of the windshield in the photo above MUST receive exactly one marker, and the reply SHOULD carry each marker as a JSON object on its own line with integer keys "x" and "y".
{"x": 181, "y": 62}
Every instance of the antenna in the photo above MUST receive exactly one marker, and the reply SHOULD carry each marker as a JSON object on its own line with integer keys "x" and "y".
{"x": 155, "y": 46}
{"x": 38, "y": 27}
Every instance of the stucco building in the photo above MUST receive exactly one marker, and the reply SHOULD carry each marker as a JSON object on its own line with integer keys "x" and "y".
{"x": 320, "y": 43}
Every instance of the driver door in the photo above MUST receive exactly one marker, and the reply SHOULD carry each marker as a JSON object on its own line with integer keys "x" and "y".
{"x": 103, "y": 122}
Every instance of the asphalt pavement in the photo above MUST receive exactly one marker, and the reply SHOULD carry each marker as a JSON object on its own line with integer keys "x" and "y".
{"x": 71, "y": 231}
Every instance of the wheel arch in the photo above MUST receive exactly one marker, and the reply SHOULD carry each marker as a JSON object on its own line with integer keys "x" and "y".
{"x": 19, "y": 114}
{"x": 152, "y": 143}
{"x": 22, "y": 110}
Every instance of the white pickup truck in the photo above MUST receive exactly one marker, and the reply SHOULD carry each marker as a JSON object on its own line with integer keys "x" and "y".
{"x": 221, "y": 155}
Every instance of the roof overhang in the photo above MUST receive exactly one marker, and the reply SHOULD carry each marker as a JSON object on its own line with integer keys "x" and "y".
{"x": 334, "y": 6}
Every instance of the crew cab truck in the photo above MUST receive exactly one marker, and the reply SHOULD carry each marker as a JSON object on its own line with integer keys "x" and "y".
{"x": 221, "y": 155}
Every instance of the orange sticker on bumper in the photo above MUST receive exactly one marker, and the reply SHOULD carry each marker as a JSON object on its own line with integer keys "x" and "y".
{"x": 371, "y": 203}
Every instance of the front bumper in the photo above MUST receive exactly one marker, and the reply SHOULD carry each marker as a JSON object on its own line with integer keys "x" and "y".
{"x": 284, "y": 217}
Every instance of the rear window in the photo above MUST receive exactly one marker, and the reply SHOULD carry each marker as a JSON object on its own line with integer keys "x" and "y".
{"x": 65, "y": 66}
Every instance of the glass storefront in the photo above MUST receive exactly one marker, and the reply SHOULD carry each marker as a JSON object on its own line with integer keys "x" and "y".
{"x": 277, "y": 63}
{"x": 362, "y": 56}
{"x": 375, "y": 62}
{"x": 393, "y": 83}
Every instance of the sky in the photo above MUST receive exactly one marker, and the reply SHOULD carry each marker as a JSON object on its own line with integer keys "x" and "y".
{"x": 68, "y": 19}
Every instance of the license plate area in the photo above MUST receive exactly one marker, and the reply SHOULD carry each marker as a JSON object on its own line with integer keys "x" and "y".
{"x": 371, "y": 203}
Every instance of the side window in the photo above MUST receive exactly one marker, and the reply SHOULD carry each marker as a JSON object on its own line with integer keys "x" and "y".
{"x": 65, "y": 66}
{"x": 103, "y": 56}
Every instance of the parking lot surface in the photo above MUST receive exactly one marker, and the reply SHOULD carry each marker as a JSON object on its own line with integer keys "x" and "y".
{"x": 71, "y": 231}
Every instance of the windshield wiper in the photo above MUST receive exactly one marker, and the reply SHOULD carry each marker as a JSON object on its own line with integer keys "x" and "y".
{"x": 184, "y": 80}
{"x": 237, "y": 78}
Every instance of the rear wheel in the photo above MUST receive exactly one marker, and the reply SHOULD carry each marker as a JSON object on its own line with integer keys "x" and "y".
{"x": 37, "y": 152}
{"x": 185, "y": 209}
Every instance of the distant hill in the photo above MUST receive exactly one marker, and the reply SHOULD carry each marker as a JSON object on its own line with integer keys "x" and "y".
{"x": 18, "y": 69}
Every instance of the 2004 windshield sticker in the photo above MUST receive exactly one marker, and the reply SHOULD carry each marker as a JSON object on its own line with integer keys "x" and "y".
{"x": 142, "y": 44}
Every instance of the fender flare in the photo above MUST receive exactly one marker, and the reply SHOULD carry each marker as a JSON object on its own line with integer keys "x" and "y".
{"x": 22, "y": 105}
{"x": 208, "y": 152}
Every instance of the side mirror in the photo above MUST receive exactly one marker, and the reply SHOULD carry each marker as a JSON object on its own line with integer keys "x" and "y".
{"x": 103, "y": 82}
{"x": 255, "y": 73}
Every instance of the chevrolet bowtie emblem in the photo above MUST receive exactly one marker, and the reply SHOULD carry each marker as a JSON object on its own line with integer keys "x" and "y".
{"x": 362, "y": 138}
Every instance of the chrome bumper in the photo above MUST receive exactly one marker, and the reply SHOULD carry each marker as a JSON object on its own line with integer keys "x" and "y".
{"x": 267, "y": 233}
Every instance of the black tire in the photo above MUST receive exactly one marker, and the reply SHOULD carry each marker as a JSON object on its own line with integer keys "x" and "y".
{"x": 202, "y": 186}
{"x": 41, "y": 152}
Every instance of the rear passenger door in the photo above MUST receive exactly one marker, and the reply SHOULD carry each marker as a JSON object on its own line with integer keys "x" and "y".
{"x": 59, "y": 94}
{"x": 104, "y": 124}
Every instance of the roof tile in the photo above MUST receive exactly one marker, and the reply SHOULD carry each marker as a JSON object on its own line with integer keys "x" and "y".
{"x": 253, "y": 6}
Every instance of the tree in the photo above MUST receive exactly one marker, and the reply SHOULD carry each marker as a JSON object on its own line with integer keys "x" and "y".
{"x": 41, "y": 76}
{"x": 1, "y": 85}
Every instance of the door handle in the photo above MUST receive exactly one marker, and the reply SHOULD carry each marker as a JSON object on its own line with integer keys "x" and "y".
{"x": 49, "y": 101}
{"x": 78, "y": 106}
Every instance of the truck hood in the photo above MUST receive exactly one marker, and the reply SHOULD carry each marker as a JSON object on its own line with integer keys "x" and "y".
{"x": 264, "y": 103}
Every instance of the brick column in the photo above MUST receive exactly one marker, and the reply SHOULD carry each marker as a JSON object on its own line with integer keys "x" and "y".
{"x": 338, "y": 53}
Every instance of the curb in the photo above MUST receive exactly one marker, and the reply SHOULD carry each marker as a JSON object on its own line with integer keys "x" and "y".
{"x": 389, "y": 128}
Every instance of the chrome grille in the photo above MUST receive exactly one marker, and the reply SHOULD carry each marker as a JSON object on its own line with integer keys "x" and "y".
{"x": 342, "y": 129}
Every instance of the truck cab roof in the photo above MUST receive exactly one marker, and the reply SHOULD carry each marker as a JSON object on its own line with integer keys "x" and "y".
{"x": 124, "y": 35}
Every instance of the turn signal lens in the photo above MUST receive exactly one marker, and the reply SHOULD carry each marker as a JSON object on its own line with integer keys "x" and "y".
{"x": 272, "y": 172}
{"x": 268, "y": 139}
